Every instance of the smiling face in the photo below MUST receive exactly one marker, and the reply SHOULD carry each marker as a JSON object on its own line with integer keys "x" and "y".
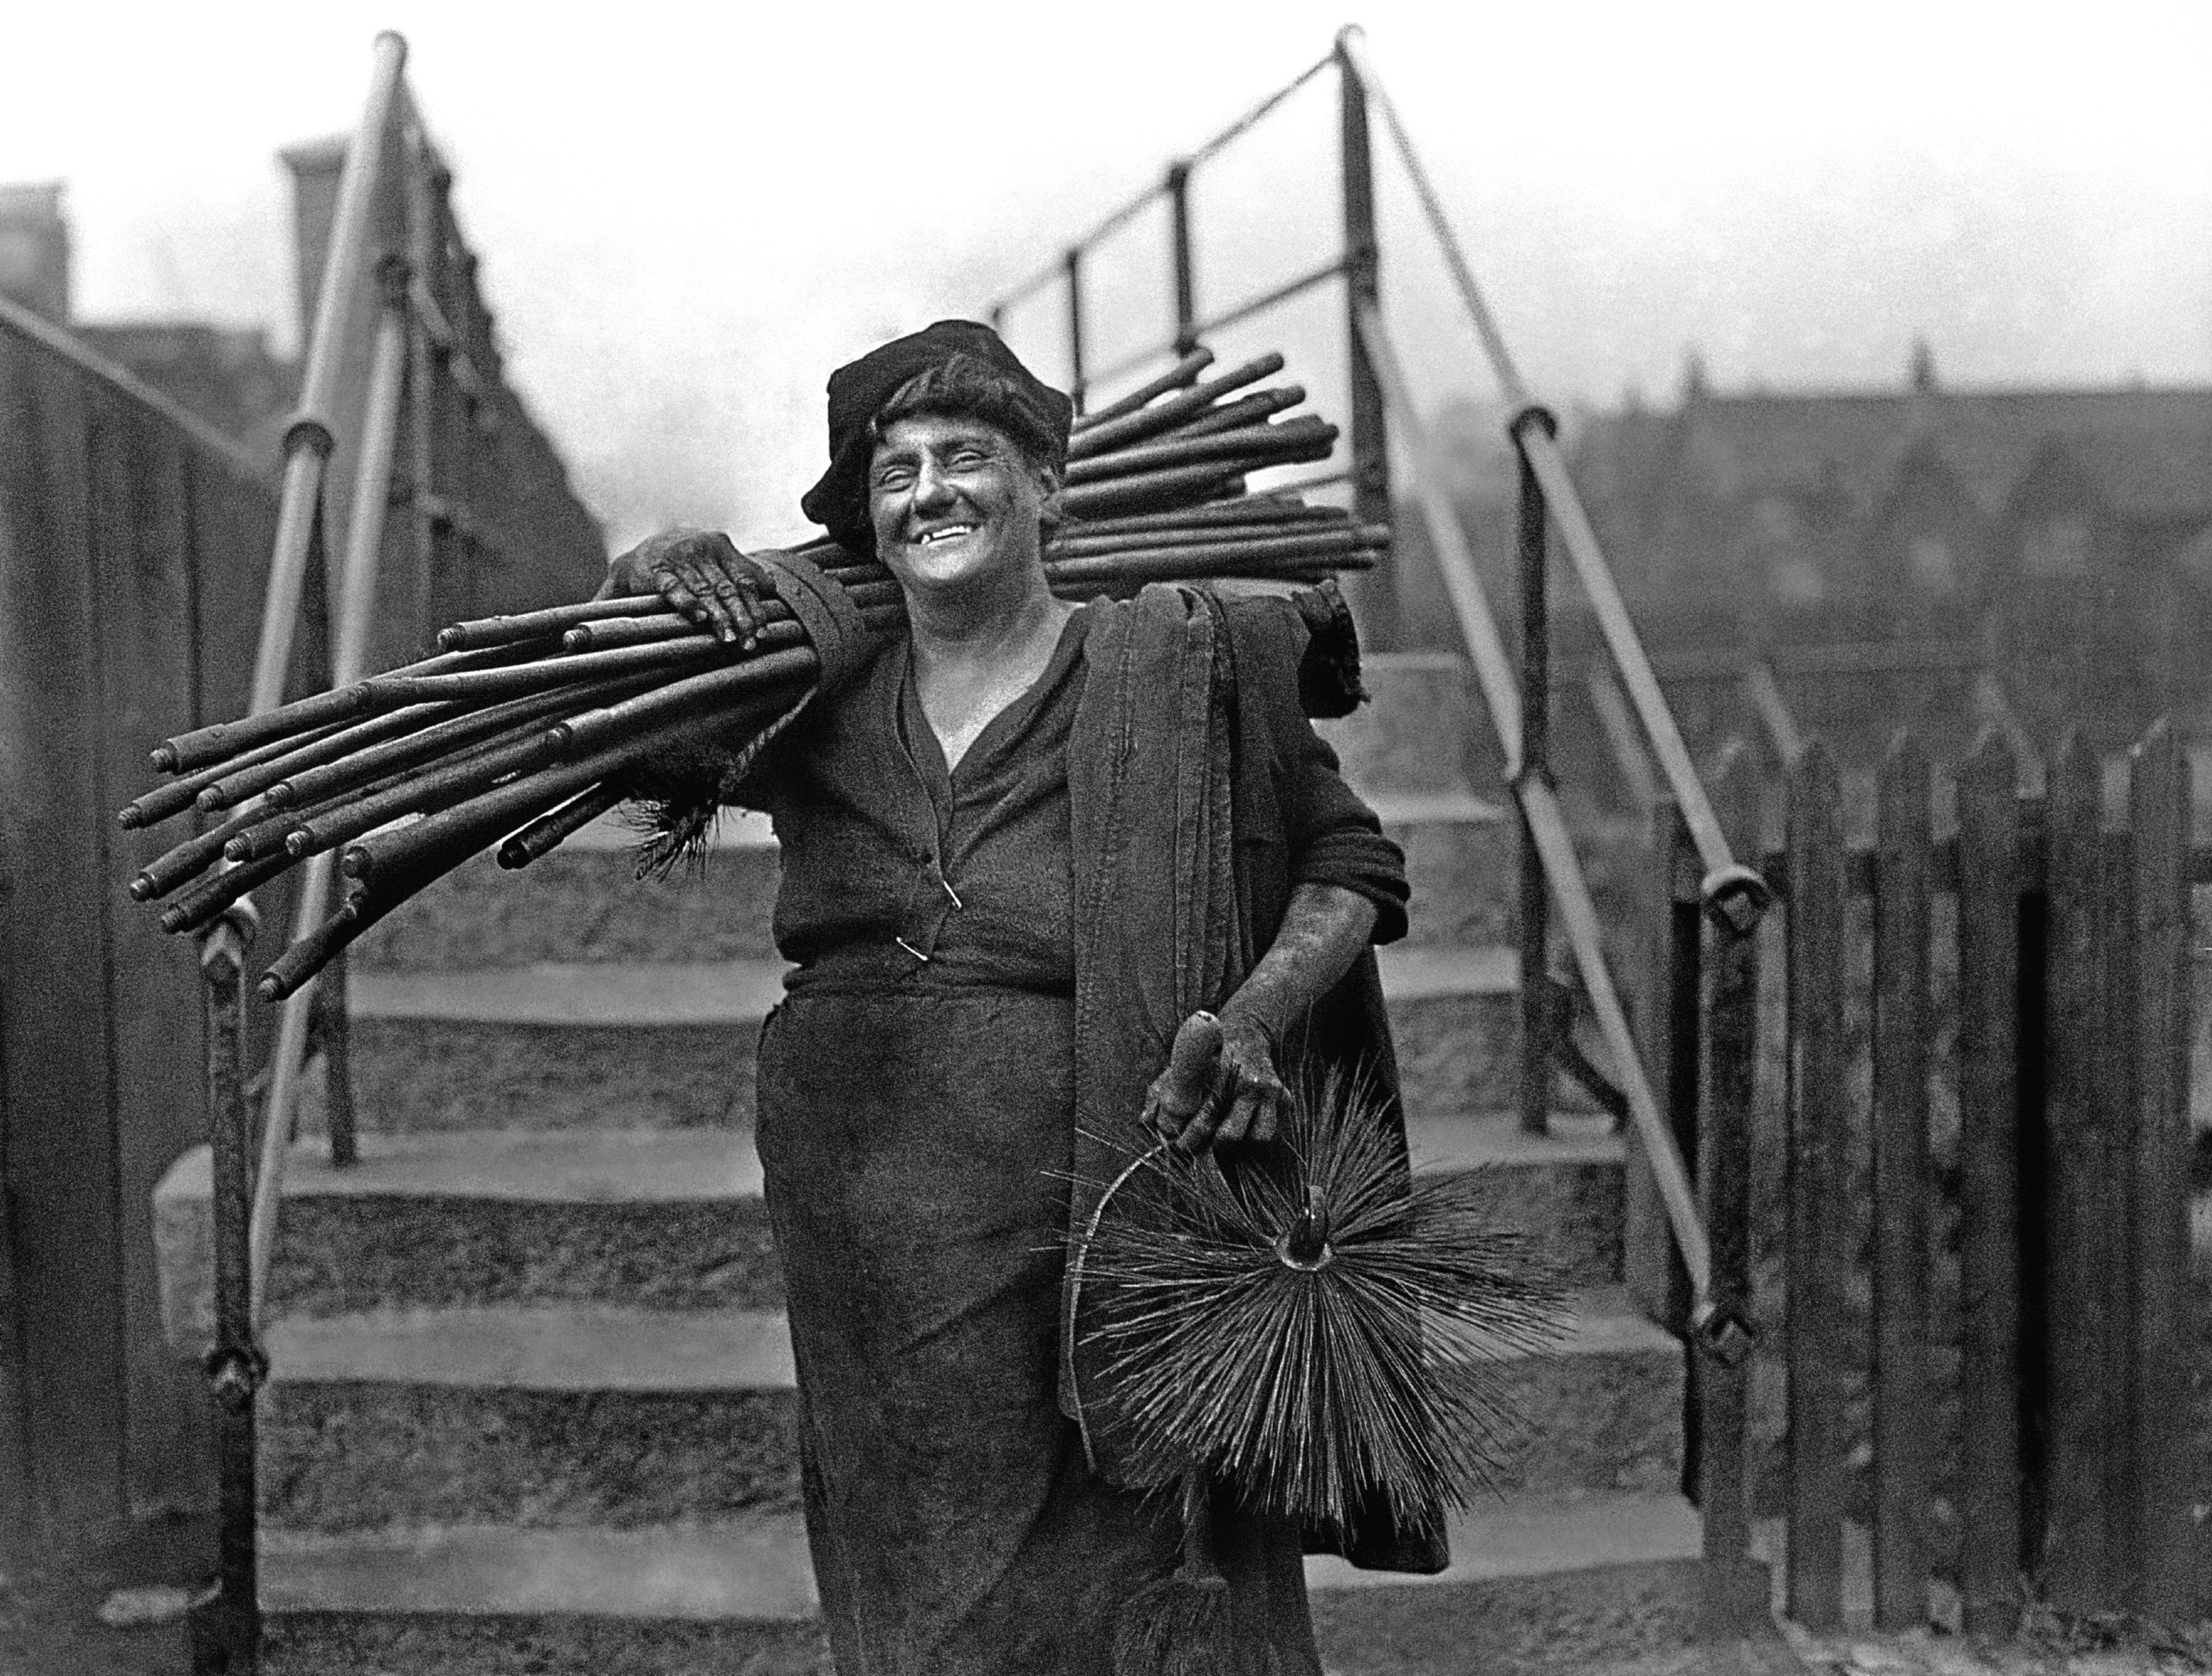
{"x": 956, "y": 506}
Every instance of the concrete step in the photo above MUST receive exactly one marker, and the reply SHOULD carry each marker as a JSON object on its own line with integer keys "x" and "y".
{"x": 1551, "y": 1583}
{"x": 1424, "y": 729}
{"x": 637, "y": 1046}
{"x": 1460, "y": 863}
{"x": 495, "y": 1600}
{"x": 614, "y": 1417}
{"x": 670, "y": 1220}
{"x": 584, "y": 903}
{"x": 562, "y": 1415}
{"x": 626, "y": 1046}
{"x": 674, "y": 1219}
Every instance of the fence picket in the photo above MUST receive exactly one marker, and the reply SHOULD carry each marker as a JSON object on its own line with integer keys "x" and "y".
{"x": 2077, "y": 1426}
{"x": 1904, "y": 1414}
{"x": 2169, "y": 1584}
{"x": 1988, "y": 1128}
{"x": 1818, "y": 1250}
{"x": 2115, "y": 1153}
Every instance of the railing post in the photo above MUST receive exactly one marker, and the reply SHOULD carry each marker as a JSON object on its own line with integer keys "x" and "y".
{"x": 1735, "y": 1584}
{"x": 226, "y": 1628}
{"x": 1654, "y": 1269}
{"x": 1186, "y": 286}
{"x": 1535, "y": 759}
{"x": 1370, "y": 459}
{"x": 444, "y": 403}
{"x": 1075, "y": 384}
{"x": 1684, "y": 968}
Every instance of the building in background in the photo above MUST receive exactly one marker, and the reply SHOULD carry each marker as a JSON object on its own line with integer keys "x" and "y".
{"x": 1922, "y": 554}
{"x": 2062, "y": 539}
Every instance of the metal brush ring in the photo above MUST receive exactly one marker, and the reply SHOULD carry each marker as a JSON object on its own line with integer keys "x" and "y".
{"x": 1304, "y": 1245}
{"x": 1289, "y": 1259}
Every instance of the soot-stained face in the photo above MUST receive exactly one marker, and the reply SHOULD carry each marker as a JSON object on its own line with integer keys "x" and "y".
{"x": 955, "y": 503}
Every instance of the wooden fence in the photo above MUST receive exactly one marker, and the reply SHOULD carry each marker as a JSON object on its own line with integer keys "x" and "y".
{"x": 135, "y": 549}
{"x": 1966, "y": 1091}
{"x": 133, "y": 541}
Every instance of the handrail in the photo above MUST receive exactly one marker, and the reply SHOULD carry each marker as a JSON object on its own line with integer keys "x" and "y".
{"x": 414, "y": 359}
{"x": 309, "y": 438}
{"x": 1735, "y": 894}
{"x": 1352, "y": 43}
{"x": 1540, "y": 808}
{"x": 372, "y": 499}
{"x": 246, "y": 1197}
{"x": 1321, "y": 274}
{"x": 1119, "y": 218}
{"x": 309, "y": 442}
{"x": 1174, "y": 185}
{"x": 1260, "y": 301}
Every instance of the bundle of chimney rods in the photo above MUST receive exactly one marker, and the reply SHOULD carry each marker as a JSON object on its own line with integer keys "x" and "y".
{"x": 522, "y": 730}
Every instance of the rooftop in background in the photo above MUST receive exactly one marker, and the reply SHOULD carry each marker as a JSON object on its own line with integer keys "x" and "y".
{"x": 2148, "y": 452}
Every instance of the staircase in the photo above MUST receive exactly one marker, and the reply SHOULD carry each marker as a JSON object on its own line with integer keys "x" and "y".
{"x": 532, "y": 1406}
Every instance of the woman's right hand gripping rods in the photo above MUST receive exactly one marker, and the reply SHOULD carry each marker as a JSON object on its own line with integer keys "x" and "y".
{"x": 702, "y": 574}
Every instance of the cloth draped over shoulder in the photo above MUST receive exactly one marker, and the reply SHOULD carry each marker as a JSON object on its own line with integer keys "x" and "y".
{"x": 1182, "y": 858}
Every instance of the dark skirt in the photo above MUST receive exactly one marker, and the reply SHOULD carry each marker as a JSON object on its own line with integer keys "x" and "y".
{"x": 915, "y": 1145}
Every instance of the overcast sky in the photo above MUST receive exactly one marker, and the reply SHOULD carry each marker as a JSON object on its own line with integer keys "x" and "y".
{"x": 688, "y": 214}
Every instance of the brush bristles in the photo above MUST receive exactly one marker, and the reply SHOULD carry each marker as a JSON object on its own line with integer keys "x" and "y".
{"x": 1314, "y": 1390}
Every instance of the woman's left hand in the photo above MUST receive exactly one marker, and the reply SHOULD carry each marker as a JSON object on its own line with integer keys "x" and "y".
{"x": 1220, "y": 1086}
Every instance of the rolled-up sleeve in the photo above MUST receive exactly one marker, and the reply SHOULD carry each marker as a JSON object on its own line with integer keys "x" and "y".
{"x": 1335, "y": 837}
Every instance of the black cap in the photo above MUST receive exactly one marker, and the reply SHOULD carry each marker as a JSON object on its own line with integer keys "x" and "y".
{"x": 859, "y": 390}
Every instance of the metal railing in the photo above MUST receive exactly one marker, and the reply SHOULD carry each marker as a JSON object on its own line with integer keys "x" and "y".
{"x": 1357, "y": 264}
{"x": 226, "y": 1627}
{"x": 1714, "y": 1247}
{"x": 399, "y": 352}
{"x": 1518, "y": 702}
{"x": 1731, "y": 890}
{"x": 1731, "y": 896}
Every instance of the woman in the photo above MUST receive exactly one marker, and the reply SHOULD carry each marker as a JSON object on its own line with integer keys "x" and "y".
{"x": 1002, "y": 895}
